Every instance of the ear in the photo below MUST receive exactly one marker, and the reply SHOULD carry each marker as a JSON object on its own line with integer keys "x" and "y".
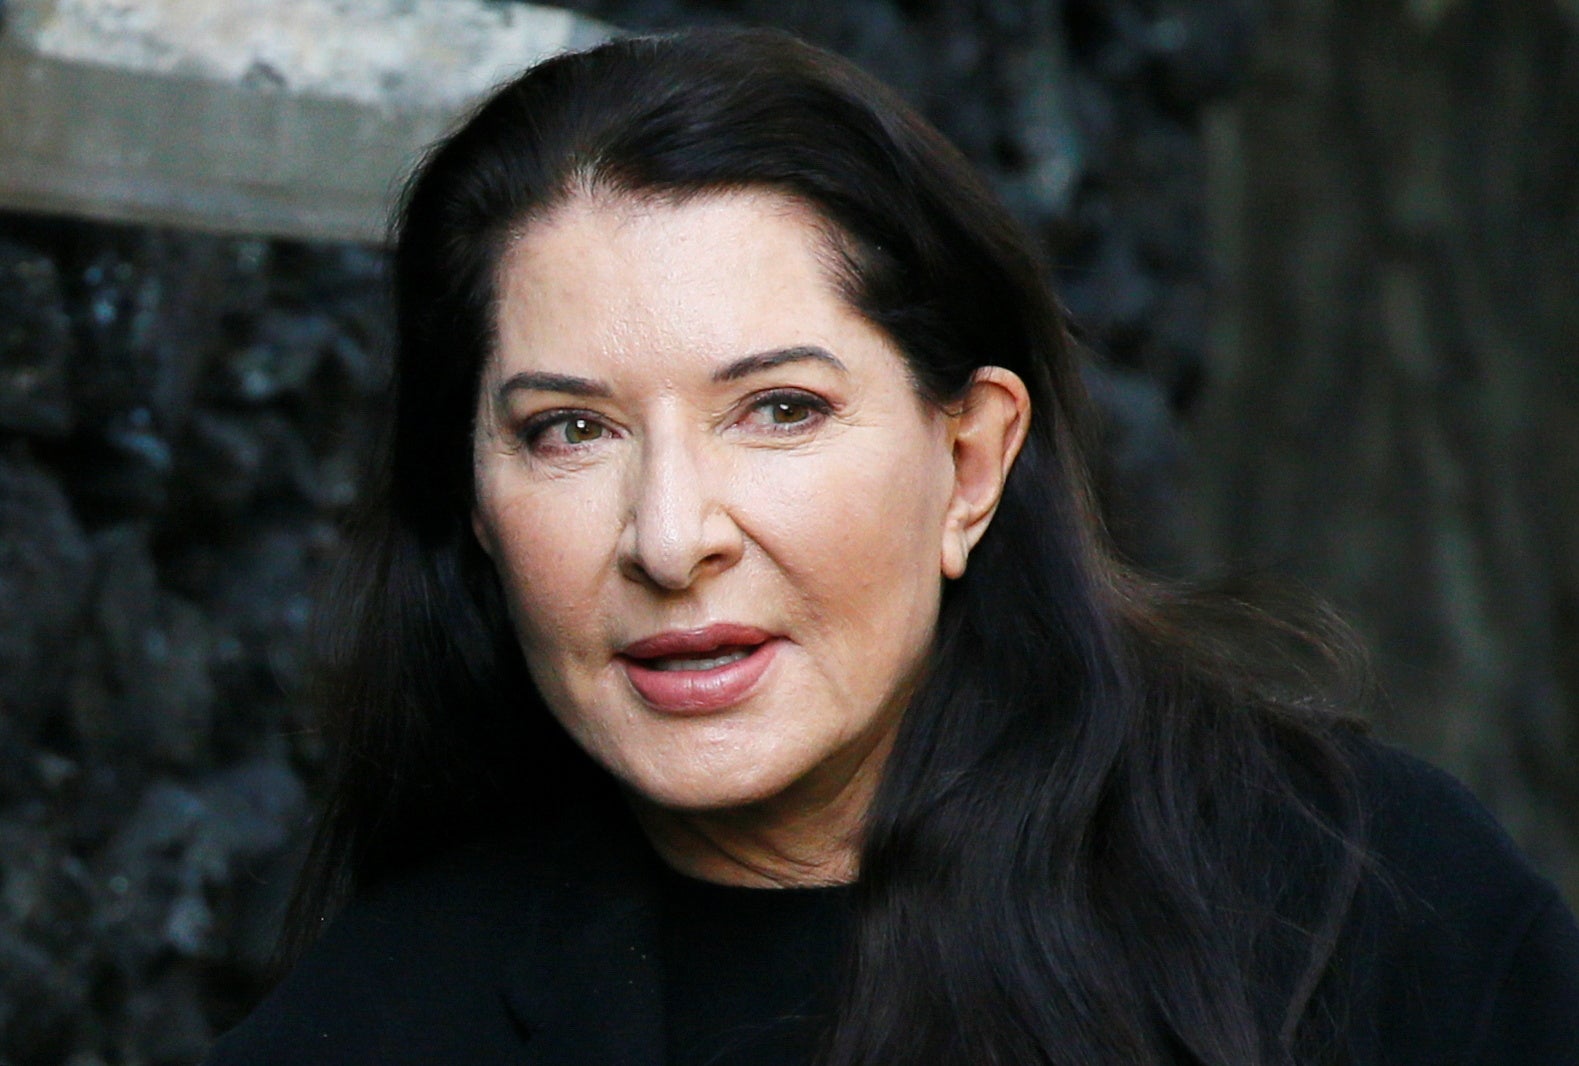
{"x": 988, "y": 433}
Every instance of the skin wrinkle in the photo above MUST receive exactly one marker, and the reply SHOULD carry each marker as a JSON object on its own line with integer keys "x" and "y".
{"x": 691, "y": 507}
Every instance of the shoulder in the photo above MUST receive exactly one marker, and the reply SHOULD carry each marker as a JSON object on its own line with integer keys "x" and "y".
{"x": 1459, "y": 951}
{"x": 422, "y": 960}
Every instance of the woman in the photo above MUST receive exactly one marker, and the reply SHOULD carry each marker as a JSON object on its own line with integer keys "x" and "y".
{"x": 734, "y": 672}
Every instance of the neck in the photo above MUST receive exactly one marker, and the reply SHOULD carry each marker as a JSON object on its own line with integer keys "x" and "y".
{"x": 775, "y": 844}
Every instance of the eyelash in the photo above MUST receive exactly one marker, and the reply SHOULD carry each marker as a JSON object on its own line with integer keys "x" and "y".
{"x": 816, "y": 407}
{"x": 535, "y": 429}
{"x": 533, "y": 432}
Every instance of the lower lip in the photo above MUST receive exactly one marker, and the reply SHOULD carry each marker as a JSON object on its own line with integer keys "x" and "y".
{"x": 700, "y": 691}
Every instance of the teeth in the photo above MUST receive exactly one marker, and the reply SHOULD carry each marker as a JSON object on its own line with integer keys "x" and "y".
{"x": 710, "y": 663}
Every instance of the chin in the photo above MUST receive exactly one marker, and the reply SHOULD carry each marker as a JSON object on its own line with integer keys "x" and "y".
{"x": 708, "y": 789}
{"x": 706, "y": 796}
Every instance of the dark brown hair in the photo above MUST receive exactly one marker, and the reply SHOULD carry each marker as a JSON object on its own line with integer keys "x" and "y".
{"x": 1055, "y": 866}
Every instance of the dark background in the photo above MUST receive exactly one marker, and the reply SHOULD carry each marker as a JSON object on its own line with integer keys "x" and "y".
{"x": 1326, "y": 250}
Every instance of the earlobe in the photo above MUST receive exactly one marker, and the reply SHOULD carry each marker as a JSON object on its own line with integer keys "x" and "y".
{"x": 956, "y": 554}
{"x": 988, "y": 434}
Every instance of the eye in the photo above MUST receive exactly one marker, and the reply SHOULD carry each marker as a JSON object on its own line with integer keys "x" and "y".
{"x": 787, "y": 410}
{"x": 581, "y": 430}
{"x": 562, "y": 431}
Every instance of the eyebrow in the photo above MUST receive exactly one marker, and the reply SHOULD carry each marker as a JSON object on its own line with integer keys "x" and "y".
{"x": 544, "y": 381}
{"x": 760, "y": 361}
{"x": 745, "y": 366}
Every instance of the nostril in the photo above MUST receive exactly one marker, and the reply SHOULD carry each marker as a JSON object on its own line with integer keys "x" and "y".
{"x": 678, "y": 531}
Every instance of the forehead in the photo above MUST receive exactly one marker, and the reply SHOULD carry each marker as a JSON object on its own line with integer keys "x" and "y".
{"x": 605, "y": 269}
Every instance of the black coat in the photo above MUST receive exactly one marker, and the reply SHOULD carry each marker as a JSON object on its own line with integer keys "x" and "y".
{"x": 543, "y": 950}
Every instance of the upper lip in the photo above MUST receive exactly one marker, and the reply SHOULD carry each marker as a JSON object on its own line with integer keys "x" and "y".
{"x": 695, "y": 641}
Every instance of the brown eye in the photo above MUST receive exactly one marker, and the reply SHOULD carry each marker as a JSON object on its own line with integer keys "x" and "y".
{"x": 787, "y": 413}
{"x": 582, "y": 430}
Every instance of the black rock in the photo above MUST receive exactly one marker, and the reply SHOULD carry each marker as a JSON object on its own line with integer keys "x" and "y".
{"x": 279, "y": 359}
{"x": 36, "y": 344}
{"x": 165, "y": 1023}
{"x": 46, "y": 568}
{"x": 1200, "y": 52}
{"x": 41, "y": 1002}
{"x": 157, "y": 649}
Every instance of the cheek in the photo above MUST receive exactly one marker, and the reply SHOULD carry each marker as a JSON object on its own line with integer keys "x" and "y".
{"x": 863, "y": 524}
{"x": 549, "y": 561}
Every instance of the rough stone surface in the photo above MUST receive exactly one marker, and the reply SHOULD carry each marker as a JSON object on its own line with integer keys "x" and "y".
{"x": 46, "y": 567}
{"x": 36, "y": 349}
{"x": 165, "y": 505}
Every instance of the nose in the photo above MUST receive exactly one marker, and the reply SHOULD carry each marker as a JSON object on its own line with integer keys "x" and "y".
{"x": 679, "y": 528}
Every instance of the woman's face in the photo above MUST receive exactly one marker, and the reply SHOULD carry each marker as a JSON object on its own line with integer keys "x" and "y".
{"x": 717, "y": 505}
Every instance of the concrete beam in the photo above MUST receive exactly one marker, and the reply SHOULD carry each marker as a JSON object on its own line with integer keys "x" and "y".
{"x": 292, "y": 118}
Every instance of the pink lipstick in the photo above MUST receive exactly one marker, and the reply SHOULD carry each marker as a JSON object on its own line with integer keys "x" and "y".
{"x": 698, "y": 671}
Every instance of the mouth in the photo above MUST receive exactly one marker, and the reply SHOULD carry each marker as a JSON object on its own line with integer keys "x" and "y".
{"x": 671, "y": 663}
{"x": 698, "y": 671}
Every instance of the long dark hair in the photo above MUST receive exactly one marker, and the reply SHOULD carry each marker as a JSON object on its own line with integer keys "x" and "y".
{"x": 1055, "y": 867}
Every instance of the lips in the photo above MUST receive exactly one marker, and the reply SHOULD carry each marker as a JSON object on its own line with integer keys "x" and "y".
{"x": 698, "y": 671}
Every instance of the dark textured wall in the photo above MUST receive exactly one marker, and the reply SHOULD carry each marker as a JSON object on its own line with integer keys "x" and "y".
{"x": 182, "y": 420}
{"x": 1393, "y": 414}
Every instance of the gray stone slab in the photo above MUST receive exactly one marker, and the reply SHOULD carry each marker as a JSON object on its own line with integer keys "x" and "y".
{"x": 294, "y": 118}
